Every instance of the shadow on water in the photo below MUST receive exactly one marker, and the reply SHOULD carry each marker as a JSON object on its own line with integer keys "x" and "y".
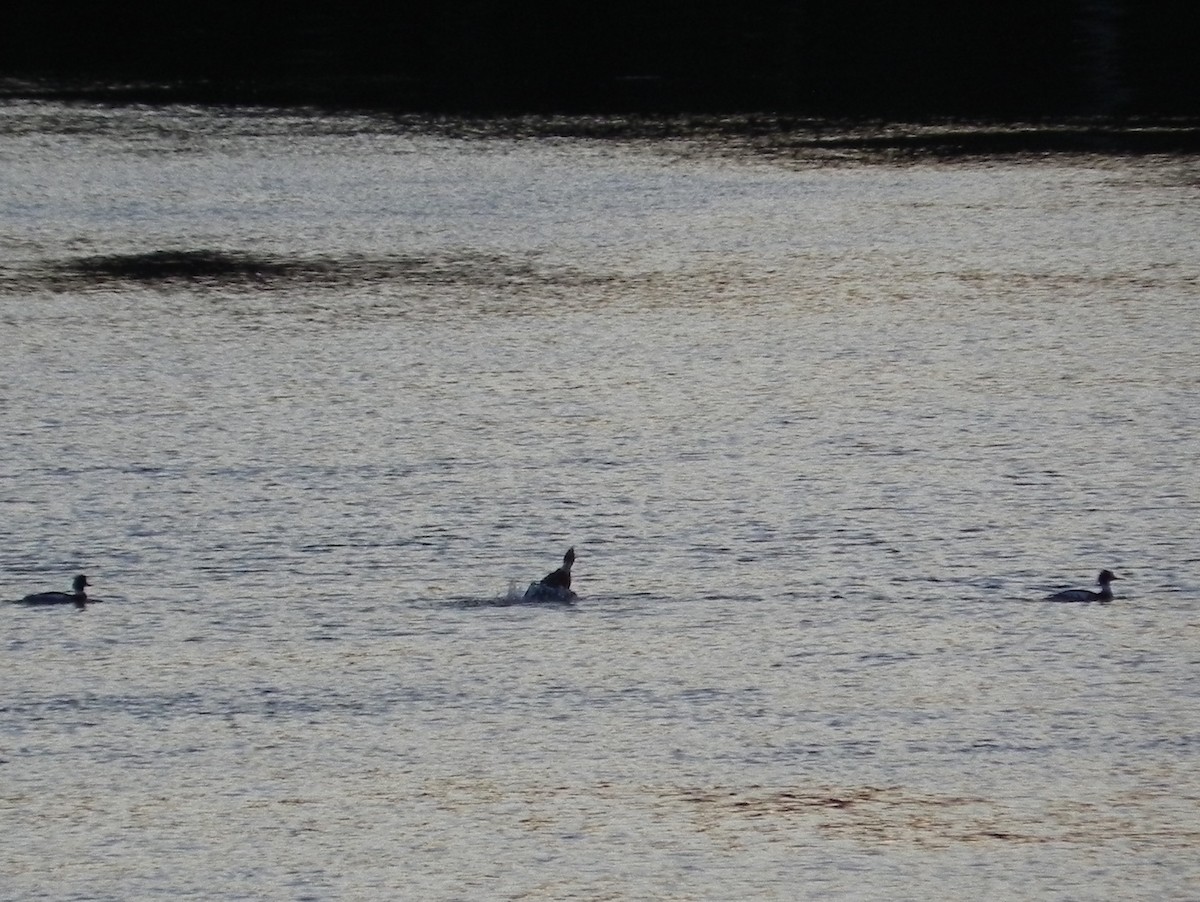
{"x": 208, "y": 269}
{"x": 842, "y": 140}
{"x": 895, "y": 814}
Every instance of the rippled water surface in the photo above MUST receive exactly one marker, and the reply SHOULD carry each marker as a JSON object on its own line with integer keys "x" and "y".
{"x": 311, "y": 400}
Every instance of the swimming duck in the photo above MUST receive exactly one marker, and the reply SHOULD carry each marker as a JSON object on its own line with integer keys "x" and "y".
{"x": 555, "y": 586}
{"x": 78, "y": 597}
{"x": 1105, "y": 593}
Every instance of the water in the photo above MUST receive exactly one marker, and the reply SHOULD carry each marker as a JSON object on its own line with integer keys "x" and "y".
{"x": 822, "y": 429}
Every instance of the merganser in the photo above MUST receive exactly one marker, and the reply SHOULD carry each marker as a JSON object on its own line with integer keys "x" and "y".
{"x": 78, "y": 597}
{"x": 1105, "y": 593}
{"x": 554, "y": 586}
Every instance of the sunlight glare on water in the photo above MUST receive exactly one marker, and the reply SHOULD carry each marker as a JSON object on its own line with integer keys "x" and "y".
{"x": 312, "y": 399}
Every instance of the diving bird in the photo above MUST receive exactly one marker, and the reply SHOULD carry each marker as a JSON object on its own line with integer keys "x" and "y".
{"x": 1105, "y": 593}
{"x": 78, "y": 597}
{"x": 554, "y": 586}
